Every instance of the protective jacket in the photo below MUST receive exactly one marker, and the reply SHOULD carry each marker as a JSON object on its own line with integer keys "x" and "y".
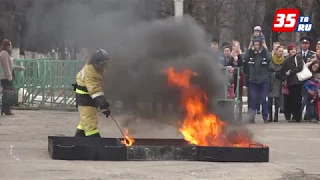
{"x": 89, "y": 86}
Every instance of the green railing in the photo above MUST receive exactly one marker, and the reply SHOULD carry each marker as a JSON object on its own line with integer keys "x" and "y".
{"x": 236, "y": 82}
{"x": 234, "y": 103}
{"x": 46, "y": 83}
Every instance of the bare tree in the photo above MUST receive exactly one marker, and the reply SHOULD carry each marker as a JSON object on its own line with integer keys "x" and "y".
{"x": 213, "y": 9}
{"x": 225, "y": 20}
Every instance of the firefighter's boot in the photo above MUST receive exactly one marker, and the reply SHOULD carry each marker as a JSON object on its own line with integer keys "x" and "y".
{"x": 97, "y": 135}
{"x": 79, "y": 133}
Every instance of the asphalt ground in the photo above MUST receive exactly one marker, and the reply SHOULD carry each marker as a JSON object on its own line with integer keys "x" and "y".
{"x": 294, "y": 151}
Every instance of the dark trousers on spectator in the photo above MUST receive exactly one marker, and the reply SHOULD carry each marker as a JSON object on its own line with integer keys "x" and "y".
{"x": 259, "y": 104}
{"x": 305, "y": 101}
{"x": 318, "y": 111}
{"x": 282, "y": 103}
{"x": 258, "y": 101}
{"x": 295, "y": 98}
{"x": 286, "y": 106}
{"x": 7, "y": 96}
{"x": 276, "y": 102}
{"x": 258, "y": 92}
{"x": 310, "y": 113}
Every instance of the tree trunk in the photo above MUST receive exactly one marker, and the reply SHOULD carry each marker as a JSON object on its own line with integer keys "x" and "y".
{"x": 75, "y": 50}
{"x": 227, "y": 21}
{"x": 237, "y": 18}
{"x": 315, "y": 32}
{"x": 270, "y": 7}
{"x": 213, "y": 9}
{"x": 259, "y": 11}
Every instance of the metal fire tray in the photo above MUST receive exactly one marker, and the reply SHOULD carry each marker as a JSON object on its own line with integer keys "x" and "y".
{"x": 84, "y": 148}
{"x": 161, "y": 149}
{"x": 253, "y": 153}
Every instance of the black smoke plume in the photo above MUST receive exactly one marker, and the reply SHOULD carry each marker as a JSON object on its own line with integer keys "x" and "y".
{"x": 140, "y": 48}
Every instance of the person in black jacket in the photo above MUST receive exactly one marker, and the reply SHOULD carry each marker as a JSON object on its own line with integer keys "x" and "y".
{"x": 292, "y": 65}
{"x": 256, "y": 63}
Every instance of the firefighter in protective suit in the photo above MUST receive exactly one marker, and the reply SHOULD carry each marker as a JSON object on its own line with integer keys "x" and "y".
{"x": 89, "y": 94}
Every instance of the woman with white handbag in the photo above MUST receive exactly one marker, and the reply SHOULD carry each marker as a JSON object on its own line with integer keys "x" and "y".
{"x": 295, "y": 72}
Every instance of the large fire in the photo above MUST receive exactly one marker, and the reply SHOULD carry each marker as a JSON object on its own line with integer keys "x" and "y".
{"x": 201, "y": 127}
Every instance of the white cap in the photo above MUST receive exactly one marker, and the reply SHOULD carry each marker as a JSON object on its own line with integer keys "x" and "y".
{"x": 257, "y": 28}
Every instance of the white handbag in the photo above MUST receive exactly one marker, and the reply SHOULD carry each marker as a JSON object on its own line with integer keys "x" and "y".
{"x": 305, "y": 73}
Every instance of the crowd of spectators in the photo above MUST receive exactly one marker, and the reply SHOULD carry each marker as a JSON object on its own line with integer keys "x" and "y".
{"x": 280, "y": 80}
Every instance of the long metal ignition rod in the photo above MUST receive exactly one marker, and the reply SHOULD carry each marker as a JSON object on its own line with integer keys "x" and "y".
{"x": 124, "y": 137}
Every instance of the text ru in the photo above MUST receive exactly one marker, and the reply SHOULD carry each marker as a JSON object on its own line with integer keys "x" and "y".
{"x": 304, "y": 27}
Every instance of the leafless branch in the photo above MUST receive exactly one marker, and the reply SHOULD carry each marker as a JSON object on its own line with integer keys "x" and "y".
{"x": 244, "y": 9}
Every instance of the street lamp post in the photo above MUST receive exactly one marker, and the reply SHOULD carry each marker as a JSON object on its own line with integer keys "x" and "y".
{"x": 178, "y": 8}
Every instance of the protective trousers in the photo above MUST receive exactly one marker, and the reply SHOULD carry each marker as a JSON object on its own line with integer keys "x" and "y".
{"x": 88, "y": 121}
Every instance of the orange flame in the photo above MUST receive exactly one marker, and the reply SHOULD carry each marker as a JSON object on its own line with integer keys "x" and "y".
{"x": 199, "y": 126}
{"x": 128, "y": 141}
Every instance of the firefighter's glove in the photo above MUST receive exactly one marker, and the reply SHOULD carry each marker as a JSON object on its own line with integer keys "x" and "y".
{"x": 101, "y": 102}
{"x": 74, "y": 86}
{"x": 106, "y": 112}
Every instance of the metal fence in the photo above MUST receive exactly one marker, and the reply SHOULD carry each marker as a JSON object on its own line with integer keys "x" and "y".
{"x": 46, "y": 83}
{"x": 235, "y": 103}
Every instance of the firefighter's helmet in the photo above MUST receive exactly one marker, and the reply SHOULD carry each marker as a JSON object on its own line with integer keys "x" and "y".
{"x": 100, "y": 56}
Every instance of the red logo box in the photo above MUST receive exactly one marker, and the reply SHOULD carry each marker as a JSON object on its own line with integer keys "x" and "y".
{"x": 285, "y": 20}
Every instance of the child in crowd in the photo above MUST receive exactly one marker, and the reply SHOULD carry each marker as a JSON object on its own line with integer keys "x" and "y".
{"x": 312, "y": 86}
{"x": 258, "y": 36}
